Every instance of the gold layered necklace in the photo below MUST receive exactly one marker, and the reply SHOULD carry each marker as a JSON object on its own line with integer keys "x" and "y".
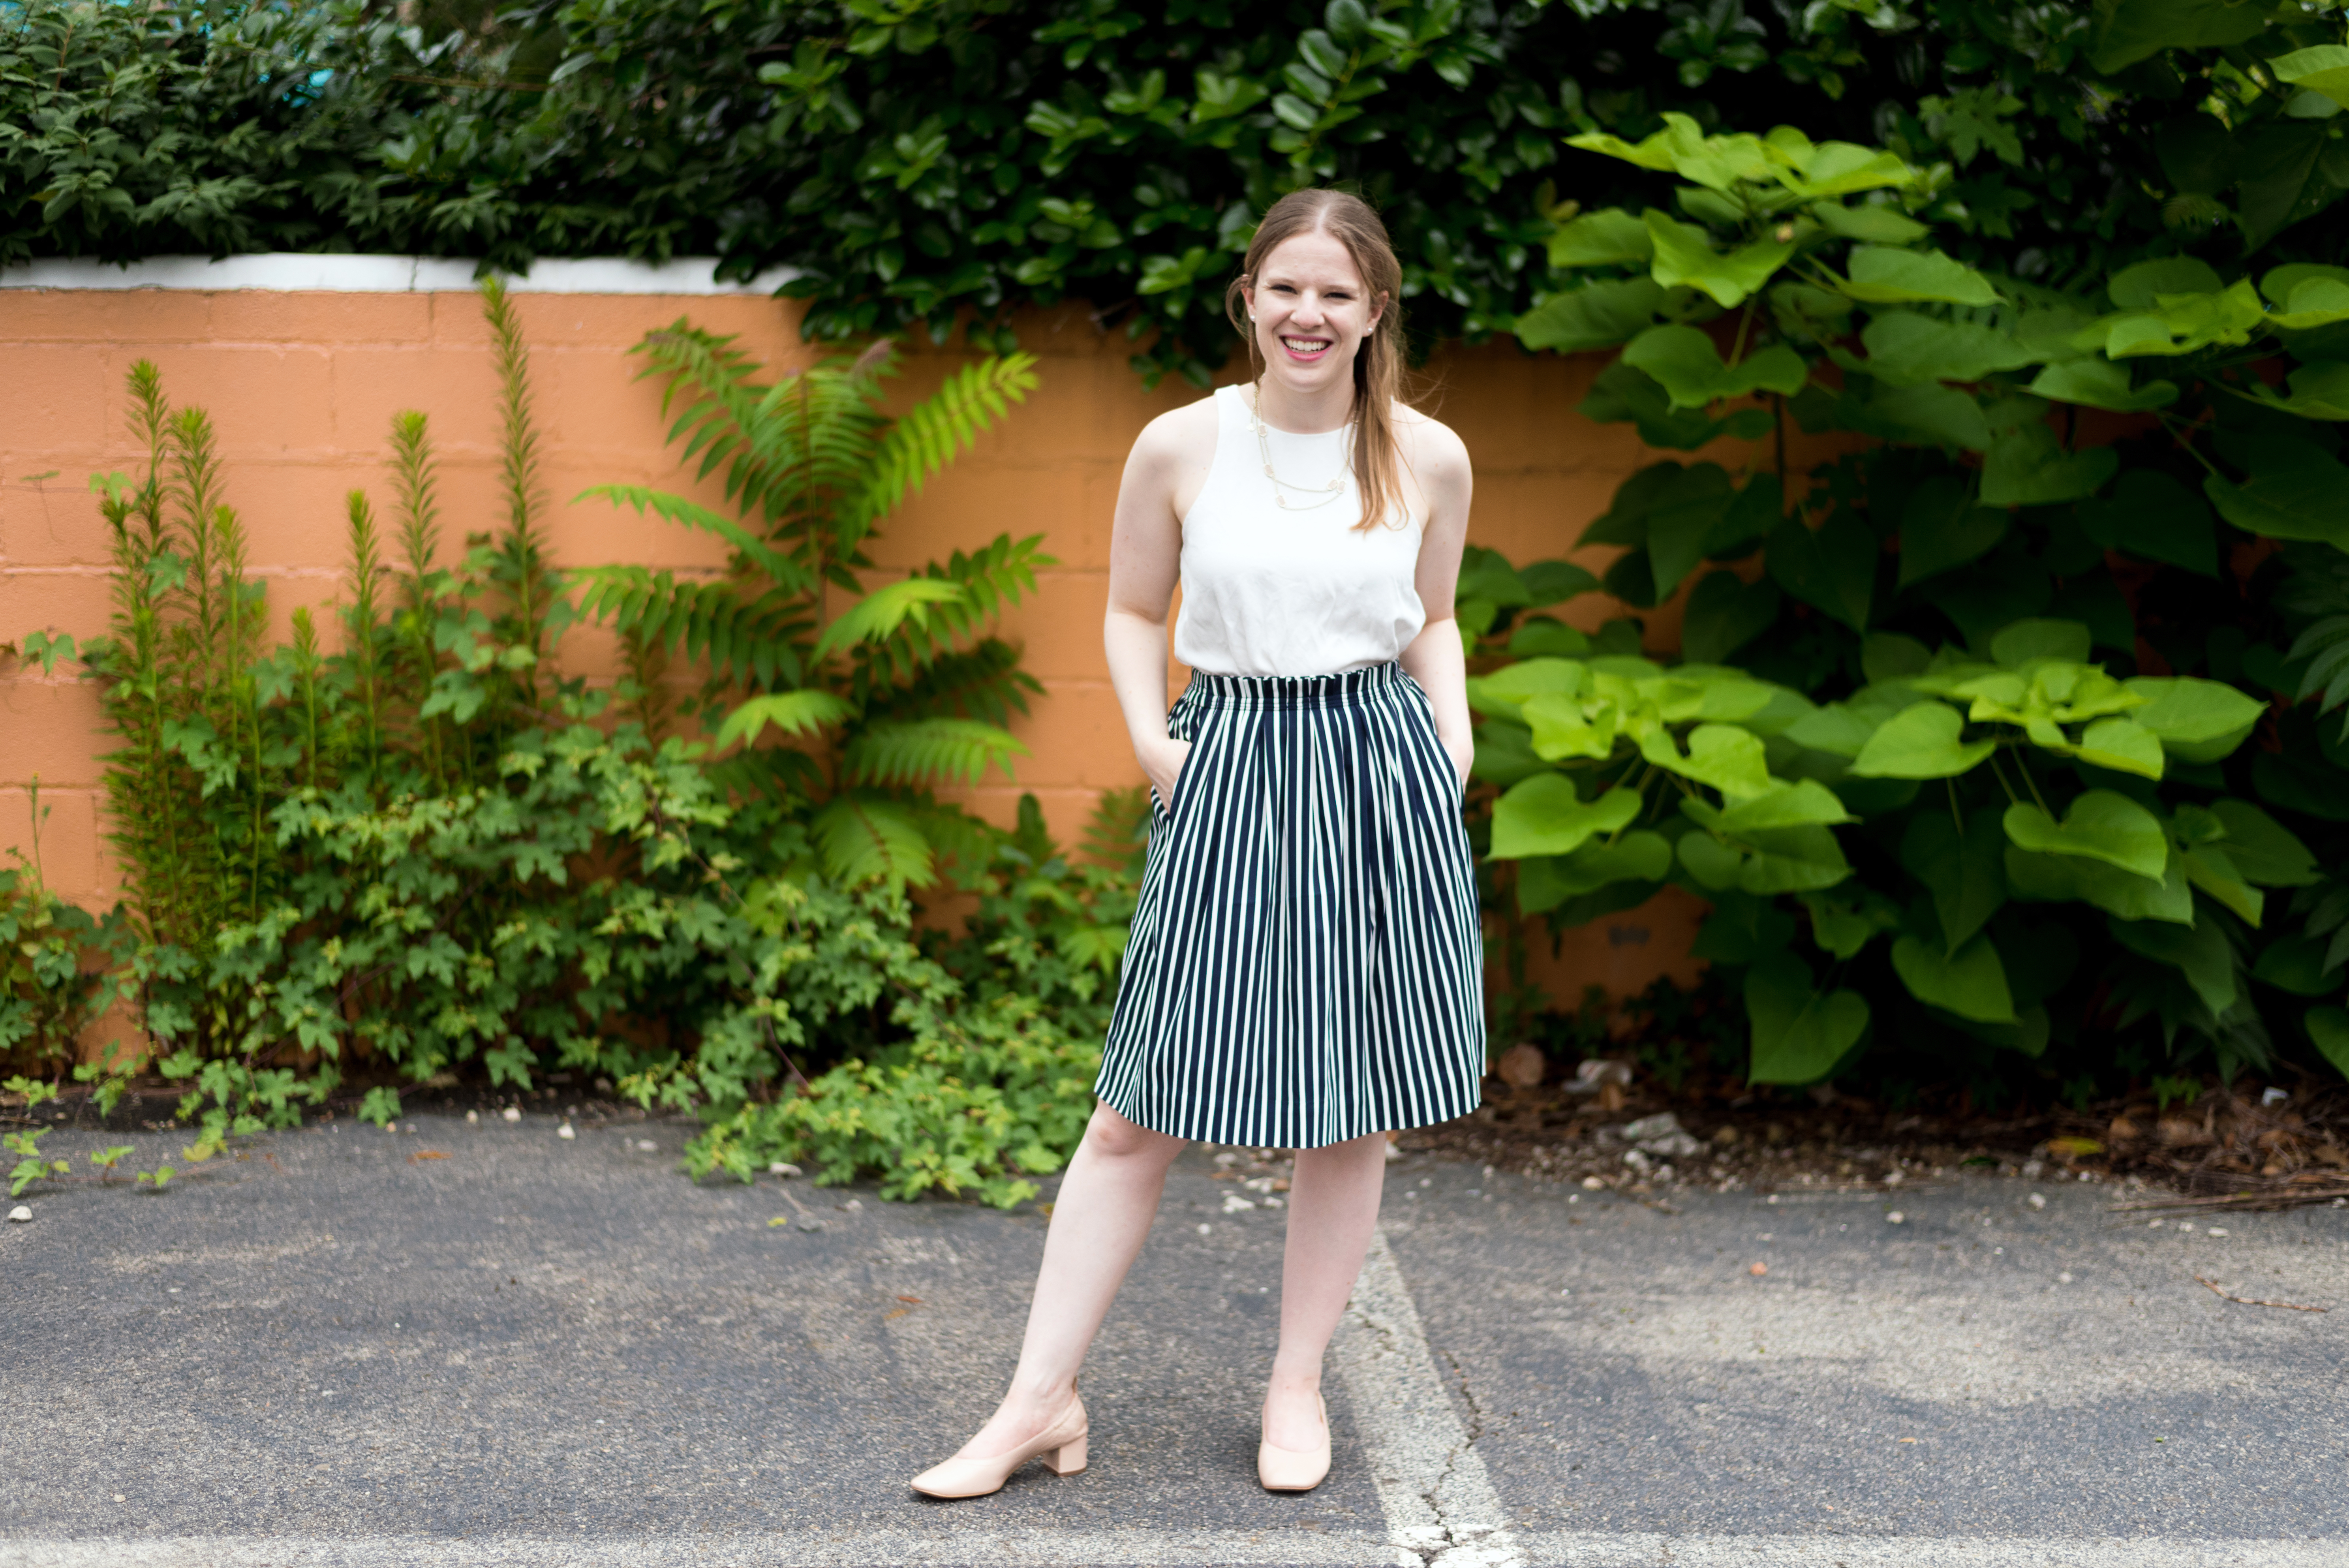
{"x": 1326, "y": 492}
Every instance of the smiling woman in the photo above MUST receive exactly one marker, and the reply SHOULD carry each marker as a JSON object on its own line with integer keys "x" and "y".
{"x": 1303, "y": 969}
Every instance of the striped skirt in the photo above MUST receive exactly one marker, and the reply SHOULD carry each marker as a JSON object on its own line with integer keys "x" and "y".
{"x": 1306, "y": 960}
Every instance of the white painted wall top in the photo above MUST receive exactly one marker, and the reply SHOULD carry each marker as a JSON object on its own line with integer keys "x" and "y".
{"x": 288, "y": 273}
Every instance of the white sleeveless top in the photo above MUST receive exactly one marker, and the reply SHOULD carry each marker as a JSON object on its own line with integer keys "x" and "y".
{"x": 1298, "y": 589}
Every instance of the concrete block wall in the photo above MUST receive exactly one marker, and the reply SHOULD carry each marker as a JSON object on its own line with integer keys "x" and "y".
{"x": 302, "y": 383}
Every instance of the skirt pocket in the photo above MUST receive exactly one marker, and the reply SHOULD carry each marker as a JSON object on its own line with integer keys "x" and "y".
{"x": 1179, "y": 727}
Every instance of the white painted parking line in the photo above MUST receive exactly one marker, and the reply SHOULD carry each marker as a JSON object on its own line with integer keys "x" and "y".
{"x": 1156, "y": 1549}
{"x": 947, "y": 1548}
{"x": 1596, "y": 1550}
{"x": 1439, "y": 1500}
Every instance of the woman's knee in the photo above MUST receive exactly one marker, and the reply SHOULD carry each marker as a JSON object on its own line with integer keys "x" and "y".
{"x": 1112, "y": 1136}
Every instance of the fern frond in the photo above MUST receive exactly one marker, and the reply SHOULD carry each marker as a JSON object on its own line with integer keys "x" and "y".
{"x": 981, "y": 681}
{"x": 788, "y": 574}
{"x": 920, "y": 750}
{"x": 928, "y": 435}
{"x": 793, "y": 712}
{"x": 881, "y": 613}
{"x": 864, "y": 838}
{"x": 1118, "y": 831}
{"x": 754, "y": 641}
{"x": 771, "y": 773}
{"x": 989, "y": 578}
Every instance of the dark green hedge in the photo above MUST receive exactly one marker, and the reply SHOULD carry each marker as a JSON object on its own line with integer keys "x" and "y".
{"x": 924, "y": 161}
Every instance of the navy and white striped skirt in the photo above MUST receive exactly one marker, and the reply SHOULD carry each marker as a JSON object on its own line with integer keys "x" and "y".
{"x": 1306, "y": 960}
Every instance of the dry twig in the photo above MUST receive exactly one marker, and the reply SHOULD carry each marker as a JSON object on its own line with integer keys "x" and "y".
{"x": 2246, "y": 1301}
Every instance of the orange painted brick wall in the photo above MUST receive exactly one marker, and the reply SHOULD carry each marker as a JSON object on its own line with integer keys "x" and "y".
{"x": 302, "y": 387}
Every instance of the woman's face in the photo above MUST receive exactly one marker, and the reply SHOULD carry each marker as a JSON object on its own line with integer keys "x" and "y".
{"x": 1312, "y": 312}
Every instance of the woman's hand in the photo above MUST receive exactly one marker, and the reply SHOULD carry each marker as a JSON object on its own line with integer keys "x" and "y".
{"x": 1463, "y": 757}
{"x": 1161, "y": 757}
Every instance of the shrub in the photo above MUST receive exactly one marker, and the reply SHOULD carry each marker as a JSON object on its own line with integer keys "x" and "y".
{"x": 430, "y": 849}
{"x": 1929, "y": 817}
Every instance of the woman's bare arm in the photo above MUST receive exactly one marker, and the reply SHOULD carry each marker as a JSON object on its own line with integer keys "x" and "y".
{"x": 1163, "y": 474}
{"x": 1440, "y": 465}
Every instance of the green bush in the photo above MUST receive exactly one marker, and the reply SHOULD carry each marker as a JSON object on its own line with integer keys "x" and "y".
{"x": 1937, "y": 831}
{"x": 429, "y": 850}
{"x": 999, "y": 1030}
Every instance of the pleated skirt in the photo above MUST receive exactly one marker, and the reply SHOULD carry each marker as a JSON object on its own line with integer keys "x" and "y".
{"x": 1305, "y": 963}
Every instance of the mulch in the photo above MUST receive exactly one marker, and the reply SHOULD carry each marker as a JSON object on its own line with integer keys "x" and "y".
{"x": 2239, "y": 1146}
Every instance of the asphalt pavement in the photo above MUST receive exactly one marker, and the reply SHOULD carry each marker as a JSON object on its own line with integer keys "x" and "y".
{"x": 460, "y": 1344}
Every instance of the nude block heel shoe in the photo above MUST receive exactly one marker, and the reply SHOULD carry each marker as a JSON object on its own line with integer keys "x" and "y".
{"x": 1061, "y": 1447}
{"x": 1286, "y": 1469}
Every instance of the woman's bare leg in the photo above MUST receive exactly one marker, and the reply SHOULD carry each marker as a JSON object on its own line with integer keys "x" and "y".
{"x": 1100, "y": 1219}
{"x": 1333, "y": 1209}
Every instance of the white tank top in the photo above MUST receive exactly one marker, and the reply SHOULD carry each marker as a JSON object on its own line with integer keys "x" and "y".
{"x": 1294, "y": 589}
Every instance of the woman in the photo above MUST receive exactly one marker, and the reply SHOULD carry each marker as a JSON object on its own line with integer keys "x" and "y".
{"x": 1304, "y": 966}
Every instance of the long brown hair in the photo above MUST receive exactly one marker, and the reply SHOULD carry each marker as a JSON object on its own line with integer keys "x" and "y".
{"x": 1378, "y": 365}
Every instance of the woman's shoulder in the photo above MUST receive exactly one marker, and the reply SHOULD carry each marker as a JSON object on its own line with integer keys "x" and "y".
{"x": 1426, "y": 439}
{"x": 1180, "y": 432}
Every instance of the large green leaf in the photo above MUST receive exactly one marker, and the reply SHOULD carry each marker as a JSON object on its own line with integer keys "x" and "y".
{"x": 1598, "y": 315}
{"x": 1927, "y": 414}
{"x": 1882, "y": 275}
{"x": 2155, "y": 518}
{"x": 2284, "y": 173}
{"x": 1798, "y": 1033}
{"x": 1624, "y": 392}
{"x": 1682, "y": 520}
{"x": 1724, "y": 614}
{"x": 1722, "y": 756}
{"x": 2317, "y": 299}
{"x": 2324, "y": 68}
{"x": 1970, "y": 982}
{"x": 2208, "y": 868}
{"x": 2140, "y": 286}
{"x": 2101, "y": 824}
{"x": 1792, "y": 860}
{"x": 2179, "y": 324}
{"x": 1684, "y": 362}
{"x": 1805, "y": 804}
{"x": 1831, "y": 568}
{"x": 1871, "y": 224}
{"x": 2296, "y": 964}
{"x": 2123, "y": 745}
{"x": 1965, "y": 872}
{"x": 2319, "y": 389}
{"x": 2198, "y": 720}
{"x": 2262, "y": 849}
{"x": 1681, "y": 147}
{"x": 1541, "y": 816}
{"x": 2329, "y": 1028}
{"x": 1942, "y": 528}
{"x": 1543, "y": 882}
{"x": 2063, "y": 878}
{"x": 1553, "y": 582}
{"x": 1835, "y": 168}
{"x": 1611, "y": 237}
{"x": 2199, "y": 952}
{"x": 2027, "y": 466}
{"x": 2129, "y": 30}
{"x": 2100, "y": 383}
{"x": 2041, "y": 638}
{"x": 1713, "y": 864}
{"x": 1685, "y": 257}
{"x": 1505, "y": 754}
{"x": 1904, "y": 349}
{"x": 1921, "y": 743}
